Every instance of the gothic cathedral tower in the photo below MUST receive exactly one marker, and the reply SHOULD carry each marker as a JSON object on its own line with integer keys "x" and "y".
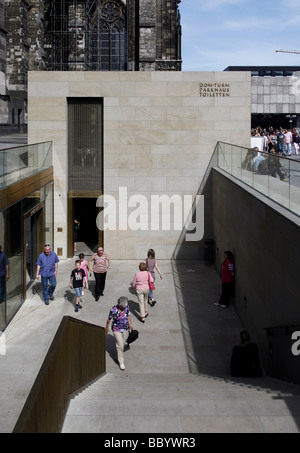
{"x": 105, "y": 35}
{"x": 82, "y": 35}
{"x": 154, "y": 35}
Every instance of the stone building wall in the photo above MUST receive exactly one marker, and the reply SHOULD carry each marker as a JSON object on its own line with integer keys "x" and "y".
{"x": 159, "y": 35}
{"x": 168, "y": 46}
{"x": 160, "y": 130}
{"x": 147, "y": 35}
{"x": 16, "y": 13}
{"x": 152, "y": 37}
{"x": 13, "y": 102}
{"x": 36, "y": 35}
{"x": 2, "y": 61}
{"x": 133, "y": 32}
{"x": 276, "y": 95}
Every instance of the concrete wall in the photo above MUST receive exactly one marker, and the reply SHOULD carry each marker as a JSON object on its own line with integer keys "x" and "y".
{"x": 265, "y": 241}
{"x": 2, "y": 57}
{"x": 280, "y": 95}
{"x": 160, "y": 130}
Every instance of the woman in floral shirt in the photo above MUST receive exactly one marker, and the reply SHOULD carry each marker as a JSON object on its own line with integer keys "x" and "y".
{"x": 121, "y": 323}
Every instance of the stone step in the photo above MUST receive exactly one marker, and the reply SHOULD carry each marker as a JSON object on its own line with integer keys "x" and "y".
{"x": 170, "y": 403}
{"x": 185, "y": 387}
{"x": 193, "y": 381}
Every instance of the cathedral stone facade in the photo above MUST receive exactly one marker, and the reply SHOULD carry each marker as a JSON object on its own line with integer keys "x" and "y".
{"x": 81, "y": 35}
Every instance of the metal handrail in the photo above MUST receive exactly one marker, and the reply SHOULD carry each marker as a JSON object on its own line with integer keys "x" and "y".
{"x": 285, "y": 194}
{"x": 18, "y": 161}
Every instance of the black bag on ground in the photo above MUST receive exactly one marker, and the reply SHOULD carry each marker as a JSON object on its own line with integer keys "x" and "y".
{"x": 133, "y": 335}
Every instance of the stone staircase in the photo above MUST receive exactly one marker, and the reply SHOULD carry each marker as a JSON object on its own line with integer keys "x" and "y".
{"x": 157, "y": 393}
{"x": 184, "y": 403}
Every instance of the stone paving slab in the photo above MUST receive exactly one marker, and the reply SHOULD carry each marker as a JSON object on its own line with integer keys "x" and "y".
{"x": 185, "y": 400}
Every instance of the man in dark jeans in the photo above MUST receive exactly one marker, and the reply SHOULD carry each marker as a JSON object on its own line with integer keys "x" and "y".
{"x": 47, "y": 264}
{"x": 280, "y": 141}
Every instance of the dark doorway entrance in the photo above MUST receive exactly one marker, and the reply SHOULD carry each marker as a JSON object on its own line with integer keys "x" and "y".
{"x": 86, "y": 211}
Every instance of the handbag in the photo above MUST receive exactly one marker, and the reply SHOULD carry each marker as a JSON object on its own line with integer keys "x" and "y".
{"x": 151, "y": 284}
{"x": 133, "y": 335}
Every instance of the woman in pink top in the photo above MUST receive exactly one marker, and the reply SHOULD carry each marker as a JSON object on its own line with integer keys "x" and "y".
{"x": 140, "y": 283}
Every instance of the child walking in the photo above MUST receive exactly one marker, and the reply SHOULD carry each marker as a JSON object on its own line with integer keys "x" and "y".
{"x": 77, "y": 279}
{"x": 151, "y": 266}
{"x": 85, "y": 267}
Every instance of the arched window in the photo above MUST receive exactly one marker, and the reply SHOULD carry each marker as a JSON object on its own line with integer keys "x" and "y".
{"x": 89, "y": 35}
{"x": 108, "y": 36}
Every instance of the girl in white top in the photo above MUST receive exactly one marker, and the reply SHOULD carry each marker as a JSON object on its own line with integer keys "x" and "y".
{"x": 151, "y": 266}
{"x": 85, "y": 267}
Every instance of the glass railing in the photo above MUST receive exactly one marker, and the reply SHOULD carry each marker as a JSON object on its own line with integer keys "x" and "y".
{"x": 20, "y": 162}
{"x": 275, "y": 176}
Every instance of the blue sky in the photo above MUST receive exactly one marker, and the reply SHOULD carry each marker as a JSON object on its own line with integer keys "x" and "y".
{"x": 221, "y": 33}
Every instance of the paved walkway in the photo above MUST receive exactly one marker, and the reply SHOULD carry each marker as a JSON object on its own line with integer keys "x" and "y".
{"x": 184, "y": 334}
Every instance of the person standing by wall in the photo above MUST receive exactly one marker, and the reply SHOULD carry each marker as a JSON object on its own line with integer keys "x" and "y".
{"x": 47, "y": 264}
{"x": 101, "y": 263}
{"x": 227, "y": 277}
{"x": 76, "y": 234}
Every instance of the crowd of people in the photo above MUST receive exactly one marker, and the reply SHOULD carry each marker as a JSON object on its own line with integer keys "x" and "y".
{"x": 244, "y": 360}
{"x": 99, "y": 263}
{"x": 276, "y": 143}
{"x": 283, "y": 141}
{"x": 265, "y": 164}
{"x": 143, "y": 284}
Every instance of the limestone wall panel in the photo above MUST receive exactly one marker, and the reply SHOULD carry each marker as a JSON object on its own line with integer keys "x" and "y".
{"x": 159, "y": 135}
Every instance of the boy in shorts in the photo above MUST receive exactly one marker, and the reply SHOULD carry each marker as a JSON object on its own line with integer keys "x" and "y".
{"x": 77, "y": 278}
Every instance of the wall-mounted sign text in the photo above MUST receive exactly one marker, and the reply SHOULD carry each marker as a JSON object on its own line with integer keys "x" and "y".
{"x": 214, "y": 89}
